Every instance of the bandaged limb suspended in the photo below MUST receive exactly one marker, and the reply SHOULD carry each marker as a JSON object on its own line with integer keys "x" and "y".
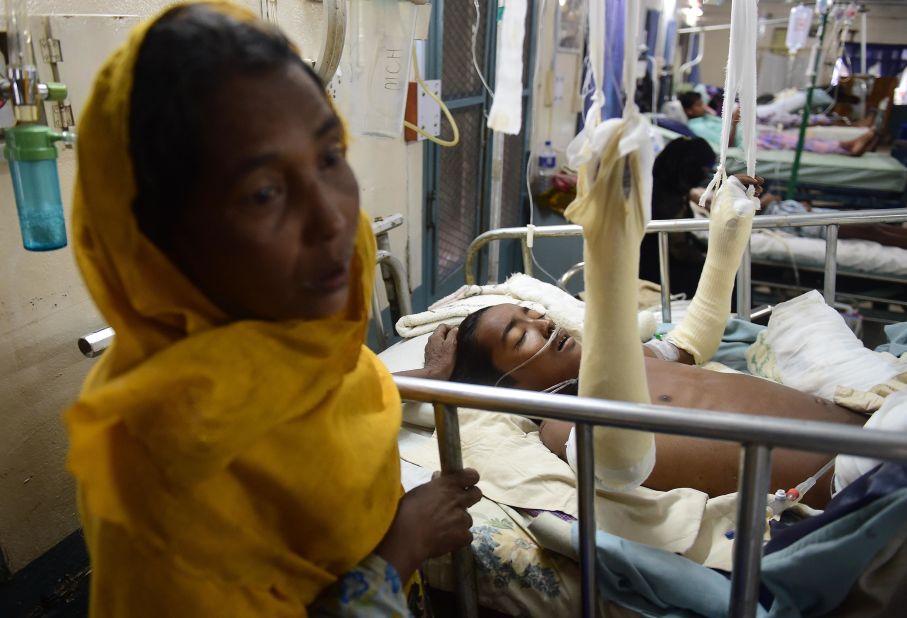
{"x": 732, "y": 207}
{"x": 730, "y": 224}
{"x": 614, "y": 222}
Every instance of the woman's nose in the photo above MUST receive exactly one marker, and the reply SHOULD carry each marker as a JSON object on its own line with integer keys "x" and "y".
{"x": 325, "y": 220}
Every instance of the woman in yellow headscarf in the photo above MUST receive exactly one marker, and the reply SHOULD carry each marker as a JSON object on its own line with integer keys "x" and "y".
{"x": 235, "y": 449}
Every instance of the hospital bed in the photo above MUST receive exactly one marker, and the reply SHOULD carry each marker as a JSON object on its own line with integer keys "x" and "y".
{"x": 662, "y": 228}
{"x": 756, "y": 446}
{"x": 871, "y": 277}
{"x": 758, "y": 436}
{"x": 872, "y": 180}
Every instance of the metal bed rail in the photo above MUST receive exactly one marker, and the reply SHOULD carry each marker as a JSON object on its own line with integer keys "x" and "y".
{"x": 393, "y": 272}
{"x": 392, "y": 266}
{"x": 757, "y": 436}
{"x": 831, "y": 221}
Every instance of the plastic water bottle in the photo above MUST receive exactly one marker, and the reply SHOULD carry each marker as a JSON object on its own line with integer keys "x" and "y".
{"x": 547, "y": 160}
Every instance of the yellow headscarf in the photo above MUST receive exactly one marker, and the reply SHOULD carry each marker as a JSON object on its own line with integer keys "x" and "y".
{"x": 224, "y": 468}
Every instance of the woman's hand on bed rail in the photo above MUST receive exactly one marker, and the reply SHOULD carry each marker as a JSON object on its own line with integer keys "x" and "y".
{"x": 440, "y": 355}
{"x": 431, "y": 520}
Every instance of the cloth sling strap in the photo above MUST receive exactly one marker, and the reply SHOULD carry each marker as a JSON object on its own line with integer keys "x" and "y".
{"x": 506, "y": 114}
{"x": 589, "y": 143}
{"x": 739, "y": 80}
{"x": 636, "y": 129}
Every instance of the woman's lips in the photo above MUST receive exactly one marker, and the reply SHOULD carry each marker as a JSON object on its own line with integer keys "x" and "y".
{"x": 331, "y": 280}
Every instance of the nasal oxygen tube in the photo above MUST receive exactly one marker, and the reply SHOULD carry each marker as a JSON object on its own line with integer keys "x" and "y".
{"x": 785, "y": 499}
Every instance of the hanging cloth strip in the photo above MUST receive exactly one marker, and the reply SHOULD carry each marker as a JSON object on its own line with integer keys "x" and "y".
{"x": 740, "y": 80}
{"x": 587, "y": 141}
{"x": 613, "y": 205}
{"x": 506, "y": 114}
{"x": 732, "y": 210}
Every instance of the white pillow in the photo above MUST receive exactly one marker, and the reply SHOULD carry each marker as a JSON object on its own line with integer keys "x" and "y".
{"x": 405, "y": 355}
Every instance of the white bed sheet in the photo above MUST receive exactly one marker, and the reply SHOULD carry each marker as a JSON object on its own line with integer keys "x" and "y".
{"x": 857, "y": 255}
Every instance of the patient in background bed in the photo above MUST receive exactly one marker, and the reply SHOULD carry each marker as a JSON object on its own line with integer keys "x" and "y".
{"x": 495, "y": 340}
{"x": 705, "y": 124}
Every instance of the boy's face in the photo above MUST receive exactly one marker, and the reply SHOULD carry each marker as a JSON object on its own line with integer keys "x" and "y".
{"x": 514, "y": 334}
{"x": 696, "y": 110}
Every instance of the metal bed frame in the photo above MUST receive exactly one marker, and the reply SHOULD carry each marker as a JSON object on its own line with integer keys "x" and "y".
{"x": 757, "y": 436}
{"x": 831, "y": 221}
{"x": 883, "y": 293}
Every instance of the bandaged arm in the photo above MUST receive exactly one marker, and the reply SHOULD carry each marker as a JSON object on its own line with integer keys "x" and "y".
{"x": 613, "y": 229}
{"x": 730, "y": 224}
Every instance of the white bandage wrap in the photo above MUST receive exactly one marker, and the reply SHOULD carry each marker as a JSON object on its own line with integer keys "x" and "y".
{"x": 642, "y": 469}
{"x": 729, "y": 233}
{"x": 614, "y": 218}
{"x": 664, "y": 350}
{"x": 571, "y": 450}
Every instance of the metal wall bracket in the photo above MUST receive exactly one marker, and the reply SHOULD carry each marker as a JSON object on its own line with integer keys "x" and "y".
{"x": 63, "y": 117}
{"x": 51, "y": 51}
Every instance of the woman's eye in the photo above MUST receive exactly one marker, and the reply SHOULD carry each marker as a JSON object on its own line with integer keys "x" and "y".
{"x": 521, "y": 339}
{"x": 267, "y": 195}
{"x": 332, "y": 157}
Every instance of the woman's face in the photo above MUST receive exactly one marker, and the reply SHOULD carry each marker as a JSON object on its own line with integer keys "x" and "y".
{"x": 514, "y": 334}
{"x": 270, "y": 232}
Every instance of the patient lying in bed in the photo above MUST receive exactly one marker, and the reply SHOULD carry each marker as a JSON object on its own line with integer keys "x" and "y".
{"x": 495, "y": 340}
{"x": 704, "y": 123}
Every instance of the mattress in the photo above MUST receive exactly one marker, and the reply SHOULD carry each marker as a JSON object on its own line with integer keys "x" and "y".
{"x": 873, "y": 171}
{"x": 518, "y": 571}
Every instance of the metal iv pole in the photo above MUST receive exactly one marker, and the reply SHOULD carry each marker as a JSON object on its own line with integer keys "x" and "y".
{"x": 801, "y": 140}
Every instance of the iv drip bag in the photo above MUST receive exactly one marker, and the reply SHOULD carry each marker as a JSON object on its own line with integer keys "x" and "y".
{"x": 382, "y": 66}
{"x": 798, "y": 28}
